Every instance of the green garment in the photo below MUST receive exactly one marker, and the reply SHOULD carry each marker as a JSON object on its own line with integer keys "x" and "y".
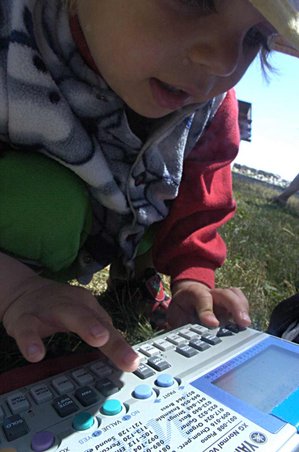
{"x": 45, "y": 213}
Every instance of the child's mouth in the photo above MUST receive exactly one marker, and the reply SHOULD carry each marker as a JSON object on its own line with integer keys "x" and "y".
{"x": 168, "y": 96}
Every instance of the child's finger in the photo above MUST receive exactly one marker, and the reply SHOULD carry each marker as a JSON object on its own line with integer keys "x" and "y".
{"x": 204, "y": 309}
{"x": 27, "y": 337}
{"x": 95, "y": 328}
{"x": 234, "y": 300}
{"x": 120, "y": 352}
{"x": 193, "y": 299}
{"x": 89, "y": 324}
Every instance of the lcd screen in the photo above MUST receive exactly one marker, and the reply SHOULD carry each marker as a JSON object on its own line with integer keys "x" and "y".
{"x": 264, "y": 380}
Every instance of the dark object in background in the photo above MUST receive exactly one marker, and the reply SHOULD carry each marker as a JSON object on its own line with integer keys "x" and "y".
{"x": 245, "y": 120}
{"x": 284, "y": 320}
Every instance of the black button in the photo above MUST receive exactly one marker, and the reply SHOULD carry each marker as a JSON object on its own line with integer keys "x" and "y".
{"x": 14, "y": 427}
{"x": 106, "y": 387}
{"x": 186, "y": 351}
{"x": 64, "y": 406}
{"x": 210, "y": 339}
{"x": 86, "y": 396}
{"x": 200, "y": 345}
{"x": 223, "y": 332}
{"x": 158, "y": 363}
{"x": 234, "y": 327}
{"x": 143, "y": 371}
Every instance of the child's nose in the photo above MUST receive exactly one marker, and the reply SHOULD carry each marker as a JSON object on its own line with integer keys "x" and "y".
{"x": 220, "y": 58}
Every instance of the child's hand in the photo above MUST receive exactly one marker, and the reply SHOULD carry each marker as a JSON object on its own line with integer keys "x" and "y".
{"x": 194, "y": 302}
{"x": 46, "y": 307}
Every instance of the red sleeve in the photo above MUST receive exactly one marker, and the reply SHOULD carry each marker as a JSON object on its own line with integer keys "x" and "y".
{"x": 187, "y": 244}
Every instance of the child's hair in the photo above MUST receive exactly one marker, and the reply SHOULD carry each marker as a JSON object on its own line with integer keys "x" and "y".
{"x": 265, "y": 63}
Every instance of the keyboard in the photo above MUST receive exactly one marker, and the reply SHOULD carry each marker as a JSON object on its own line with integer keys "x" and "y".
{"x": 182, "y": 397}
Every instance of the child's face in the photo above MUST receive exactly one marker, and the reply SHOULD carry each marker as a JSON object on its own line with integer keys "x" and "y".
{"x": 160, "y": 55}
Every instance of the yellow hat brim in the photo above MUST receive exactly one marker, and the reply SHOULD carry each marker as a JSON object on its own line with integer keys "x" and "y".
{"x": 284, "y": 17}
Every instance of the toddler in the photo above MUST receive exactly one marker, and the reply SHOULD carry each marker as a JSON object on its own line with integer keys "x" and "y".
{"x": 118, "y": 124}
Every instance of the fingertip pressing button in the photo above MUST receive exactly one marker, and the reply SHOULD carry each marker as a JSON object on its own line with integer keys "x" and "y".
{"x": 83, "y": 421}
{"x": 142, "y": 392}
{"x": 42, "y": 441}
{"x": 164, "y": 380}
{"x": 111, "y": 407}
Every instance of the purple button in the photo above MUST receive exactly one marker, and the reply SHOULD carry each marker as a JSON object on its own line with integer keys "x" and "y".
{"x": 42, "y": 441}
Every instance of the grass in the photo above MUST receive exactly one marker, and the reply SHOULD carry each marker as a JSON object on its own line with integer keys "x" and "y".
{"x": 263, "y": 249}
{"x": 263, "y": 258}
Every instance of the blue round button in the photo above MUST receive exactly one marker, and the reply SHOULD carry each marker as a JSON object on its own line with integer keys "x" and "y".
{"x": 111, "y": 407}
{"x": 165, "y": 380}
{"x": 142, "y": 392}
{"x": 83, "y": 421}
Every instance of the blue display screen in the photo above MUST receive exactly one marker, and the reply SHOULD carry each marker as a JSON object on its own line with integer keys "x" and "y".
{"x": 257, "y": 382}
{"x": 264, "y": 380}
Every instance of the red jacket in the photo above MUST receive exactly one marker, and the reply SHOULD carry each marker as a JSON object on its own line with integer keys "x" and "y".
{"x": 187, "y": 245}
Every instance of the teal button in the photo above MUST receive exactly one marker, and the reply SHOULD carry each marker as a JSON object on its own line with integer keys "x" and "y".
{"x": 83, "y": 421}
{"x": 111, "y": 407}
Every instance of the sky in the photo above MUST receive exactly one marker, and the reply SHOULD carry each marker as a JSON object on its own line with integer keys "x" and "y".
{"x": 274, "y": 145}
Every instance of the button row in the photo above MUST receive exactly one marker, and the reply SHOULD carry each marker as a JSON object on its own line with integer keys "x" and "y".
{"x": 15, "y": 426}
{"x": 145, "y": 391}
{"x": 173, "y": 339}
{"x": 41, "y": 393}
{"x": 187, "y": 342}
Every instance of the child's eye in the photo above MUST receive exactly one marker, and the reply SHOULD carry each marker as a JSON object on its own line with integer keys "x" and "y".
{"x": 255, "y": 38}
